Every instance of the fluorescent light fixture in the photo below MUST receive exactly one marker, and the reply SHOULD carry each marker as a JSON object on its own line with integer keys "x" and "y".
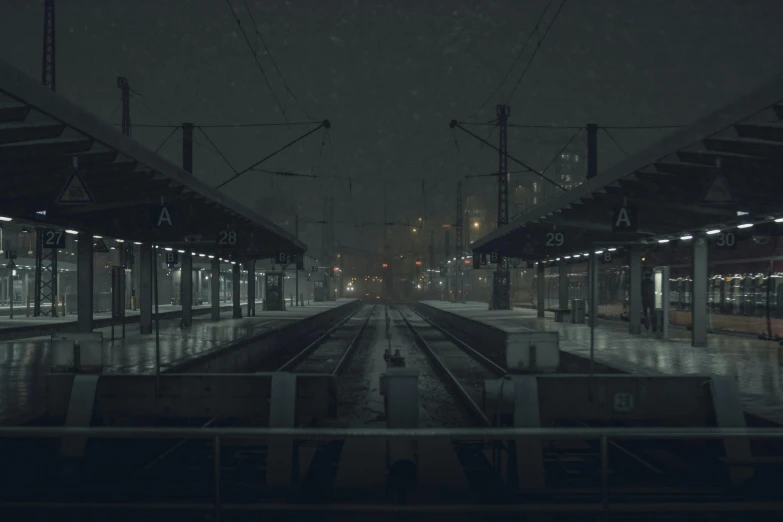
{"x": 686, "y": 237}
{"x": 599, "y": 252}
{"x": 779, "y": 220}
{"x": 558, "y": 259}
{"x": 168, "y": 249}
{"x": 211, "y": 257}
{"x": 181, "y": 251}
{"x": 612, "y": 249}
{"x": 233, "y": 262}
{"x": 567, "y": 257}
{"x": 742, "y": 213}
{"x": 137, "y": 242}
{"x": 74, "y": 232}
{"x": 97, "y": 237}
{"x": 3, "y": 218}
{"x": 713, "y": 232}
{"x": 745, "y": 225}
{"x": 119, "y": 240}
{"x": 577, "y": 255}
{"x": 204, "y": 255}
{"x": 663, "y": 240}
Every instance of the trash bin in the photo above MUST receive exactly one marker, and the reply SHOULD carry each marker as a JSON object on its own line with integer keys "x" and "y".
{"x": 578, "y": 311}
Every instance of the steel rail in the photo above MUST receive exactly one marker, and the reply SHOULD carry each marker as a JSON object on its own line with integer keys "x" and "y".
{"x": 451, "y": 381}
{"x": 475, "y": 354}
{"x": 304, "y": 354}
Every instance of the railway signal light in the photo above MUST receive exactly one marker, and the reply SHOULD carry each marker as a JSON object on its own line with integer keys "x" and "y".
{"x": 385, "y": 265}
{"x": 418, "y": 263}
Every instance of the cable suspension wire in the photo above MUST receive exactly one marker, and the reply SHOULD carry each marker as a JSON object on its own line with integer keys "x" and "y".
{"x": 573, "y": 127}
{"x": 226, "y": 125}
{"x": 279, "y": 73}
{"x": 167, "y": 139}
{"x": 223, "y": 156}
{"x": 535, "y": 51}
{"x": 255, "y": 58}
{"x": 611, "y": 137}
{"x": 562, "y": 150}
{"x": 516, "y": 59}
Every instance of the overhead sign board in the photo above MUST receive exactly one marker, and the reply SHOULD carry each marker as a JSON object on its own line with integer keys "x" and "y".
{"x": 172, "y": 258}
{"x": 162, "y": 217}
{"x": 227, "y": 238}
{"x": 52, "y": 238}
{"x": 718, "y": 191}
{"x": 625, "y": 219}
{"x": 75, "y": 192}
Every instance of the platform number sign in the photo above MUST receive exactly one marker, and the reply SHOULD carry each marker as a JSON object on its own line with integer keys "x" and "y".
{"x": 283, "y": 258}
{"x": 172, "y": 258}
{"x": 623, "y": 402}
{"x": 726, "y": 240}
{"x": 493, "y": 257}
{"x": 53, "y": 238}
{"x": 227, "y": 237}
{"x": 555, "y": 239}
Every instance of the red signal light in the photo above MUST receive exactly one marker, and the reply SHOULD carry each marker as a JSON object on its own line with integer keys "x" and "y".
{"x": 418, "y": 263}
{"x": 385, "y": 265}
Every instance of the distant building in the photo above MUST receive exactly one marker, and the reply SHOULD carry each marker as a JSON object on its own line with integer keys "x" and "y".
{"x": 568, "y": 171}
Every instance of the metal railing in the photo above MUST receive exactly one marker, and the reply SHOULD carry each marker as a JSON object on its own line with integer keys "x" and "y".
{"x": 603, "y": 435}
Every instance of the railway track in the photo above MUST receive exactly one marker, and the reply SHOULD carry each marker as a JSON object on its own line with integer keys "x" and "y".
{"x": 573, "y": 465}
{"x": 244, "y": 462}
{"x": 461, "y": 368}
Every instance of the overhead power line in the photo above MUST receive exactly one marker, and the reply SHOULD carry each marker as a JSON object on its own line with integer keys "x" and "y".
{"x": 516, "y": 59}
{"x": 255, "y": 57}
{"x": 266, "y": 48}
{"x": 535, "y": 51}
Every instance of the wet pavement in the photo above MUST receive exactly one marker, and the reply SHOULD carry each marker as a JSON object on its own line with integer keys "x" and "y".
{"x": 755, "y": 363}
{"x": 25, "y": 362}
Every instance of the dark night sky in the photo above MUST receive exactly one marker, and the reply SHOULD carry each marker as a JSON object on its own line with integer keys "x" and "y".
{"x": 390, "y": 76}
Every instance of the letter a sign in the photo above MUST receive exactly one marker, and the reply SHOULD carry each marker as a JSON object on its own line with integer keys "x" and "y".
{"x": 624, "y": 220}
{"x": 164, "y": 218}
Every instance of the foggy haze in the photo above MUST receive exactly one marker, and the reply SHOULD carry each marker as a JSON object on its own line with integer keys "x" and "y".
{"x": 390, "y": 77}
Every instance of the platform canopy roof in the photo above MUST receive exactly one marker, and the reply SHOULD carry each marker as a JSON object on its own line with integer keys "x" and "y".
{"x": 42, "y": 134}
{"x": 721, "y": 172}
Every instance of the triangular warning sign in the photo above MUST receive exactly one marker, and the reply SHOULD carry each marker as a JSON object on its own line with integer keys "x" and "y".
{"x": 10, "y": 265}
{"x": 75, "y": 192}
{"x": 718, "y": 191}
{"x": 100, "y": 246}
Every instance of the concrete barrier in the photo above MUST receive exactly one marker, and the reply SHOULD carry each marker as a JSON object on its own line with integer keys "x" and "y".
{"x": 270, "y": 349}
{"x": 516, "y": 349}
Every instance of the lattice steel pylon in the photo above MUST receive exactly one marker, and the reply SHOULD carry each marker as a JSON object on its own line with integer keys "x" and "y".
{"x": 48, "y": 65}
{"x": 45, "y": 277}
{"x": 502, "y": 286}
{"x": 46, "y": 259}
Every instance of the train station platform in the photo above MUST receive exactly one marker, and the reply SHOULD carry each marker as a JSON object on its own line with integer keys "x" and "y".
{"x": 25, "y": 362}
{"x": 756, "y": 364}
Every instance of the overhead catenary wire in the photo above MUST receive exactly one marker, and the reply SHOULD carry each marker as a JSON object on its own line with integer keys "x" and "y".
{"x": 255, "y": 58}
{"x": 562, "y": 150}
{"x": 274, "y": 63}
{"x": 223, "y": 156}
{"x": 516, "y": 59}
{"x": 611, "y": 137}
{"x": 535, "y": 51}
{"x": 167, "y": 139}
